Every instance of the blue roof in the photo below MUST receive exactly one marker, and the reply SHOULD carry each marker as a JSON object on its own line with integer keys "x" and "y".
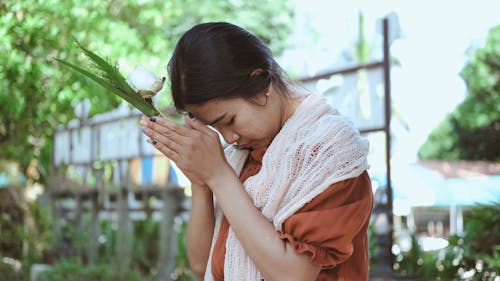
{"x": 418, "y": 186}
{"x": 4, "y": 180}
{"x": 469, "y": 191}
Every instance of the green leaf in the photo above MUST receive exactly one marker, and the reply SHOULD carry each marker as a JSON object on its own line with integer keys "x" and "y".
{"x": 110, "y": 71}
{"x": 134, "y": 100}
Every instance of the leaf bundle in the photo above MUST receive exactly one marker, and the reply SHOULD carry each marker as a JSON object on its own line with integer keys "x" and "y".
{"x": 111, "y": 79}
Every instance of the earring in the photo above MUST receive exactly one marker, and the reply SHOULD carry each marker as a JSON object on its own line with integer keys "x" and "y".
{"x": 267, "y": 97}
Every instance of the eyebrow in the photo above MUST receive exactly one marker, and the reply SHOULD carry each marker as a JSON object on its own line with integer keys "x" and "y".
{"x": 217, "y": 119}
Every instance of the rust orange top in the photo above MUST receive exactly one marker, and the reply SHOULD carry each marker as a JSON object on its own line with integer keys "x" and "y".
{"x": 331, "y": 229}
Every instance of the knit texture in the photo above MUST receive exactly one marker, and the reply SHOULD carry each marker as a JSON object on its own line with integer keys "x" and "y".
{"x": 314, "y": 149}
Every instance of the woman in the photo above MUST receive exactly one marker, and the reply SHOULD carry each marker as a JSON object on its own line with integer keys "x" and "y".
{"x": 290, "y": 199}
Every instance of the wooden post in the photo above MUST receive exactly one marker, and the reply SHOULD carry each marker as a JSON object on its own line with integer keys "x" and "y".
{"x": 93, "y": 228}
{"x": 124, "y": 235}
{"x": 54, "y": 209}
{"x": 172, "y": 198}
{"x": 79, "y": 210}
{"x": 106, "y": 208}
{"x": 77, "y": 224}
{"x": 94, "y": 218}
{"x": 94, "y": 197}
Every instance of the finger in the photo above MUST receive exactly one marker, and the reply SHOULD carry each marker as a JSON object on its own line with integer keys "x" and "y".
{"x": 165, "y": 150}
{"x": 162, "y": 124}
{"x": 153, "y": 131}
{"x": 198, "y": 125}
{"x": 170, "y": 133}
{"x": 163, "y": 139}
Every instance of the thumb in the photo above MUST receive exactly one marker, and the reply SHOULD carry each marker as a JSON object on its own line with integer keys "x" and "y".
{"x": 188, "y": 122}
{"x": 196, "y": 124}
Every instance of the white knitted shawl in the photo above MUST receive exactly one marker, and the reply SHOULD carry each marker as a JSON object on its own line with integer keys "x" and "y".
{"x": 314, "y": 149}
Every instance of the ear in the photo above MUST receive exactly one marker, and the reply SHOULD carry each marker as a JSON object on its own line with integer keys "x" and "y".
{"x": 262, "y": 98}
{"x": 256, "y": 72}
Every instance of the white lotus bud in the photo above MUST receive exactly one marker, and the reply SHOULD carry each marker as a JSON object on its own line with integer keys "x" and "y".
{"x": 145, "y": 81}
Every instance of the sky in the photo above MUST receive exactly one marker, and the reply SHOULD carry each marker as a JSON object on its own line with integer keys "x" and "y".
{"x": 432, "y": 49}
{"x": 433, "y": 38}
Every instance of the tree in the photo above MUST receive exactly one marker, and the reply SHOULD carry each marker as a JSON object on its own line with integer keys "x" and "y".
{"x": 472, "y": 130}
{"x": 37, "y": 95}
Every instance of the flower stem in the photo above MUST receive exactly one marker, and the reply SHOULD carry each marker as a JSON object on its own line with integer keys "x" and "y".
{"x": 150, "y": 101}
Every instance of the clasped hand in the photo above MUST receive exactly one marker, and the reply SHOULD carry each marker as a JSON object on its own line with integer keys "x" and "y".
{"x": 195, "y": 148}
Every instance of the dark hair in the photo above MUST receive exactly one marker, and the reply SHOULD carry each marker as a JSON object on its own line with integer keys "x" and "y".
{"x": 217, "y": 60}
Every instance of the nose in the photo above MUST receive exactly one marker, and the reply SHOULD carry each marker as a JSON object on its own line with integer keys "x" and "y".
{"x": 230, "y": 137}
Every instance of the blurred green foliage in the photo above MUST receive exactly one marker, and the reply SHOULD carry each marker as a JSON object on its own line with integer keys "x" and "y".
{"x": 373, "y": 247}
{"x": 144, "y": 254}
{"x": 362, "y": 47}
{"x": 472, "y": 130}
{"x": 182, "y": 269}
{"x": 474, "y": 256}
{"x": 74, "y": 270}
{"x": 24, "y": 232}
{"x": 37, "y": 95}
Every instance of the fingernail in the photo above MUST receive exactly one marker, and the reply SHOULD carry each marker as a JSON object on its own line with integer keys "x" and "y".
{"x": 143, "y": 123}
{"x": 152, "y": 119}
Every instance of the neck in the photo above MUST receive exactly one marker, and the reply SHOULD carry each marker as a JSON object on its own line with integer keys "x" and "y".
{"x": 289, "y": 105}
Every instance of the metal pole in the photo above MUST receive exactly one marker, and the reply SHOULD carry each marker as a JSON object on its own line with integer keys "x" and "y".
{"x": 387, "y": 83}
{"x": 382, "y": 212}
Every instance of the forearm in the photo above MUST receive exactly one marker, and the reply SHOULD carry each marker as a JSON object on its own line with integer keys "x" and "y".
{"x": 200, "y": 230}
{"x": 274, "y": 258}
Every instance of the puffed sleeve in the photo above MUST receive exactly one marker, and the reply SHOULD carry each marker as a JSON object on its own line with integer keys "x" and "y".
{"x": 326, "y": 227}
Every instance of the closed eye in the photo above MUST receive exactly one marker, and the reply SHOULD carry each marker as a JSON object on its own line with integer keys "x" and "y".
{"x": 231, "y": 121}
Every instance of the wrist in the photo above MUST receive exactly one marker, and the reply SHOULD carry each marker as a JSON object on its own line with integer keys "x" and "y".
{"x": 221, "y": 179}
{"x": 200, "y": 188}
{"x": 201, "y": 197}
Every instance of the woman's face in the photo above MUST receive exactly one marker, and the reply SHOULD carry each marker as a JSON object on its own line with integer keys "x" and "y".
{"x": 249, "y": 124}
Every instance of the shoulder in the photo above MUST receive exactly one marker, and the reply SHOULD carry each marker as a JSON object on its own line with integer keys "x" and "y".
{"x": 342, "y": 193}
{"x": 330, "y": 132}
{"x": 331, "y": 125}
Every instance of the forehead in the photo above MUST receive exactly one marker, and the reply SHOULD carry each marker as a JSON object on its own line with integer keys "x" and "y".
{"x": 213, "y": 108}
